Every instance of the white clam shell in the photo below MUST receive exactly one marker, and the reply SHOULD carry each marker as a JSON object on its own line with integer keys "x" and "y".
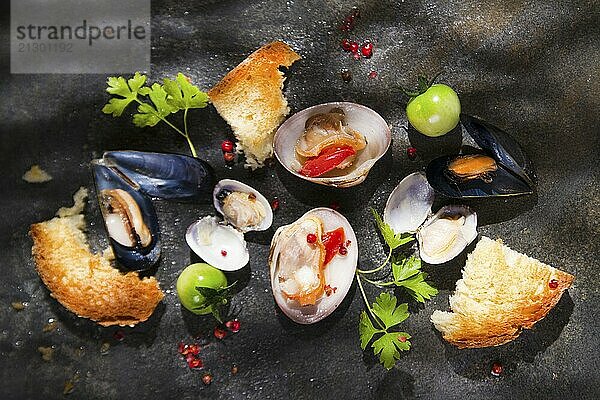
{"x": 236, "y": 186}
{"x": 360, "y": 118}
{"x": 339, "y": 272}
{"x": 455, "y": 238}
{"x": 409, "y": 204}
{"x": 207, "y": 237}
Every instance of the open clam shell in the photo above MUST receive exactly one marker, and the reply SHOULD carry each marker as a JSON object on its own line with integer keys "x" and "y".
{"x": 446, "y": 234}
{"x": 339, "y": 272}
{"x": 164, "y": 175}
{"x": 218, "y": 244}
{"x": 442, "y": 236}
{"x": 248, "y": 210}
{"x": 360, "y": 118}
{"x": 409, "y": 204}
{"x": 129, "y": 218}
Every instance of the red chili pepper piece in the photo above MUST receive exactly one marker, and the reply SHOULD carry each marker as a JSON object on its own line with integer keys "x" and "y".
{"x": 329, "y": 158}
{"x": 332, "y": 241}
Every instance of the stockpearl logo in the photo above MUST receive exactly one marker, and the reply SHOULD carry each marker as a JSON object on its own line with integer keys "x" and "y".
{"x": 80, "y": 36}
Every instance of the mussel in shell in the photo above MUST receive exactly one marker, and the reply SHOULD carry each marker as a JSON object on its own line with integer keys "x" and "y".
{"x": 164, "y": 175}
{"x": 129, "y": 218}
{"x": 502, "y": 169}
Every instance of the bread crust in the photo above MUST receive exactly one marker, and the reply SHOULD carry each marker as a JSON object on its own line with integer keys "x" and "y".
{"x": 251, "y": 100}
{"x": 86, "y": 283}
{"x": 264, "y": 62}
{"x": 476, "y": 330}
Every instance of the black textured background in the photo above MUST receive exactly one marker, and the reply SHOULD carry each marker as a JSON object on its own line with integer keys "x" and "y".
{"x": 530, "y": 67}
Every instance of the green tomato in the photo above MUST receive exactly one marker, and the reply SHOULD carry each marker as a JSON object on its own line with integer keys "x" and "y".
{"x": 435, "y": 112}
{"x": 198, "y": 275}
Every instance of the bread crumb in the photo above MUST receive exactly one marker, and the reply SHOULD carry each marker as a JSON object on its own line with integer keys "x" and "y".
{"x": 78, "y": 204}
{"x": 46, "y": 352}
{"x": 36, "y": 174}
{"x": 108, "y": 254}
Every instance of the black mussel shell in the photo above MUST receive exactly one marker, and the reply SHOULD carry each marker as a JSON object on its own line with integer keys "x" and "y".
{"x": 135, "y": 258}
{"x": 165, "y": 175}
{"x": 497, "y": 183}
{"x": 500, "y": 146}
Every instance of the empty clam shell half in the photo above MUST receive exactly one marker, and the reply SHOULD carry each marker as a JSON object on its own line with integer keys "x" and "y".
{"x": 338, "y": 273}
{"x": 446, "y": 234}
{"x": 217, "y": 244}
{"x": 409, "y": 204}
{"x": 242, "y": 206}
{"x": 360, "y": 118}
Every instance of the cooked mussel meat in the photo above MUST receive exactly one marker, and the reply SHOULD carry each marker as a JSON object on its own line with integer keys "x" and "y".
{"x": 129, "y": 217}
{"x": 502, "y": 170}
{"x": 123, "y": 218}
{"x": 475, "y": 166}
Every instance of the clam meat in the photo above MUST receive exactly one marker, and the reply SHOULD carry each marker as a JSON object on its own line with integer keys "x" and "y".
{"x": 446, "y": 234}
{"x": 242, "y": 206}
{"x": 334, "y": 144}
{"x": 328, "y": 143}
{"x": 312, "y": 264}
{"x": 300, "y": 274}
{"x": 442, "y": 236}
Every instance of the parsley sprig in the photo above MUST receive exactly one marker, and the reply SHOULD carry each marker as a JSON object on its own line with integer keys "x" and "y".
{"x": 156, "y": 102}
{"x": 216, "y": 299}
{"x": 384, "y": 315}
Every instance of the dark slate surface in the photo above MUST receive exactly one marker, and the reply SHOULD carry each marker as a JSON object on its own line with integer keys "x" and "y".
{"x": 529, "y": 67}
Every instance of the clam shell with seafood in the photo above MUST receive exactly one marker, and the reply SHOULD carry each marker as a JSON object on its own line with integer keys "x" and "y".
{"x": 308, "y": 283}
{"x": 442, "y": 236}
{"x": 326, "y": 128}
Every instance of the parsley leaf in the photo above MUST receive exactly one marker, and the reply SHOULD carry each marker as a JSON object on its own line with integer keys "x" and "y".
{"x": 216, "y": 299}
{"x": 393, "y": 240}
{"x": 388, "y": 347}
{"x": 184, "y": 95}
{"x": 418, "y": 288}
{"x": 406, "y": 268}
{"x": 387, "y": 312}
{"x": 127, "y": 90}
{"x": 148, "y": 115}
{"x": 389, "y": 343}
{"x": 366, "y": 330}
{"x": 155, "y": 102}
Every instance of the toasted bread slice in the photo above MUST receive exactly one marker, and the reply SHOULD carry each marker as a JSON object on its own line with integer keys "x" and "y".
{"x": 86, "y": 283}
{"x": 501, "y": 292}
{"x": 250, "y": 99}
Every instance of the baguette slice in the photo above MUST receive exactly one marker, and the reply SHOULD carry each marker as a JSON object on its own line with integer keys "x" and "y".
{"x": 501, "y": 292}
{"x": 250, "y": 99}
{"x": 86, "y": 283}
